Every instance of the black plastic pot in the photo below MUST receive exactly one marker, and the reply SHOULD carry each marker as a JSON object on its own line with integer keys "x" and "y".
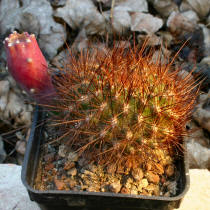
{"x": 55, "y": 199}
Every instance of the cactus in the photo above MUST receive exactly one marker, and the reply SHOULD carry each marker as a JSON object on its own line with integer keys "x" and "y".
{"x": 121, "y": 108}
{"x": 112, "y": 107}
{"x": 28, "y": 66}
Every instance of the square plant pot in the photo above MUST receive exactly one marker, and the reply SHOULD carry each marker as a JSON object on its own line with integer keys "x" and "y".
{"x": 61, "y": 199}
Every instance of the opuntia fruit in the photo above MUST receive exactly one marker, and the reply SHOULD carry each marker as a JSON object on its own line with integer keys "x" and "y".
{"x": 28, "y": 66}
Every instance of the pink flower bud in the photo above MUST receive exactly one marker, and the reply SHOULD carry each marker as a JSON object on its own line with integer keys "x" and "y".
{"x": 28, "y": 66}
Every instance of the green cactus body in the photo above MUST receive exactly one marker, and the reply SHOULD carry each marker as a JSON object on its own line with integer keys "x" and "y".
{"x": 119, "y": 106}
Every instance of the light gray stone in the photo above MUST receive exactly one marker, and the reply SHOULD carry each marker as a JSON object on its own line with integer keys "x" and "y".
{"x": 202, "y": 111}
{"x": 164, "y": 7}
{"x": 191, "y": 15}
{"x": 145, "y": 23}
{"x": 180, "y": 24}
{"x": 206, "y": 35}
{"x": 13, "y": 194}
{"x": 121, "y": 20}
{"x": 35, "y": 17}
{"x": 78, "y": 13}
{"x": 201, "y": 7}
{"x": 12, "y": 105}
{"x": 132, "y": 6}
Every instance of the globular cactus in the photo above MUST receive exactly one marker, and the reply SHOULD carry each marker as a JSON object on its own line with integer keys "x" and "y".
{"x": 28, "y": 66}
{"x": 120, "y": 107}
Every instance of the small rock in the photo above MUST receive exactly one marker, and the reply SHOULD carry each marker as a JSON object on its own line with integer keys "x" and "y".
{"x": 143, "y": 183}
{"x": 68, "y": 165}
{"x": 125, "y": 190}
{"x": 206, "y": 60}
{"x": 171, "y": 186}
{"x": 49, "y": 157}
{"x": 115, "y": 186}
{"x": 49, "y": 166}
{"x": 191, "y": 15}
{"x": 169, "y": 170}
{"x": 20, "y": 147}
{"x": 60, "y": 185}
{"x": 94, "y": 188}
{"x": 202, "y": 8}
{"x": 132, "y": 6}
{"x": 134, "y": 190}
{"x": 202, "y": 112}
{"x": 79, "y": 12}
{"x": 121, "y": 21}
{"x": 62, "y": 150}
{"x": 178, "y": 24}
{"x": 154, "y": 189}
{"x": 145, "y": 23}
{"x": 73, "y": 156}
{"x": 137, "y": 174}
{"x": 164, "y": 7}
{"x": 206, "y": 36}
{"x": 72, "y": 172}
{"x": 72, "y": 183}
{"x": 154, "y": 178}
{"x": 199, "y": 156}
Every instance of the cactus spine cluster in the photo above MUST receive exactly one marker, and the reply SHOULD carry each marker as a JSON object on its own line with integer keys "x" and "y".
{"x": 119, "y": 107}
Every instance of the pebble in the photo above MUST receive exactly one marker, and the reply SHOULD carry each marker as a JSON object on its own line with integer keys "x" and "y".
{"x": 169, "y": 170}
{"x": 60, "y": 185}
{"x": 137, "y": 174}
{"x": 72, "y": 183}
{"x": 50, "y": 157}
{"x": 142, "y": 22}
{"x": 20, "y": 147}
{"x": 125, "y": 190}
{"x": 171, "y": 186}
{"x": 72, "y": 172}
{"x": 154, "y": 178}
{"x": 144, "y": 183}
{"x": 72, "y": 156}
{"x": 68, "y": 165}
{"x": 49, "y": 166}
{"x": 115, "y": 186}
{"x": 62, "y": 150}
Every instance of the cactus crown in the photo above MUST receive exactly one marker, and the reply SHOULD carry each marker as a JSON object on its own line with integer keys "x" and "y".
{"x": 119, "y": 107}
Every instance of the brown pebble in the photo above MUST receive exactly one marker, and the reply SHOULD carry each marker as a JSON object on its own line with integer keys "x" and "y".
{"x": 72, "y": 183}
{"x": 60, "y": 185}
{"x": 68, "y": 165}
{"x": 169, "y": 170}
{"x": 148, "y": 166}
{"x": 72, "y": 172}
{"x": 49, "y": 166}
{"x": 154, "y": 178}
{"x": 137, "y": 174}
{"x": 125, "y": 190}
{"x": 115, "y": 187}
{"x": 49, "y": 158}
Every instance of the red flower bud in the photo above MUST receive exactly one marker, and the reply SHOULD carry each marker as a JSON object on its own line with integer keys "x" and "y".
{"x": 28, "y": 66}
